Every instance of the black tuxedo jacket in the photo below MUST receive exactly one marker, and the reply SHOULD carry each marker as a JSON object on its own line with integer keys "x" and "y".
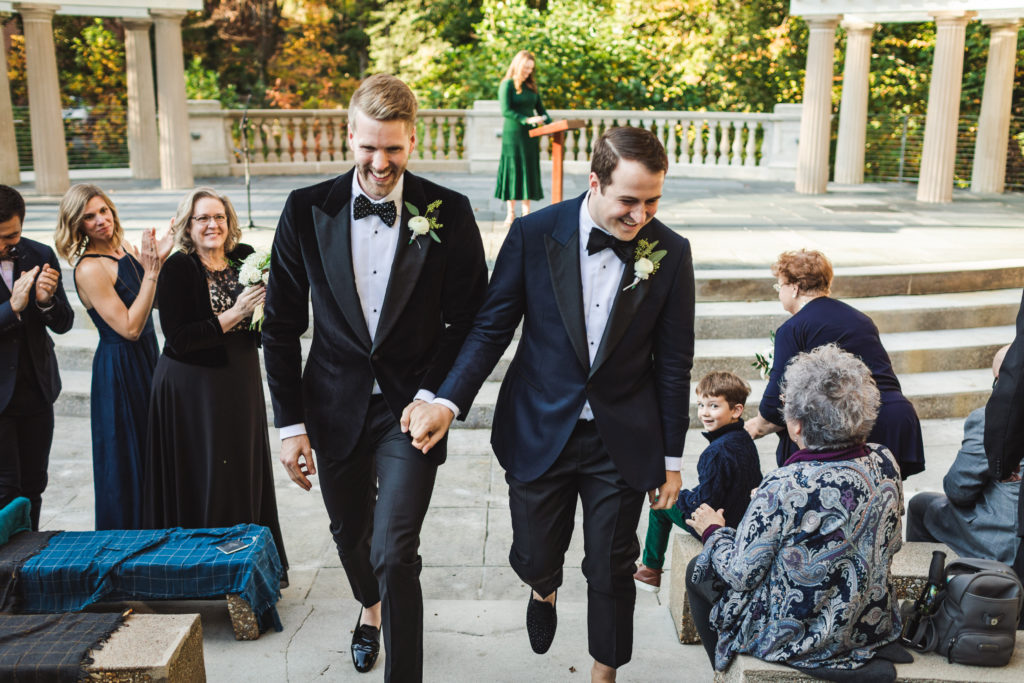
{"x": 34, "y": 323}
{"x": 639, "y": 383}
{"x": 433, "y": 294}
{"x": 192, "y": 333}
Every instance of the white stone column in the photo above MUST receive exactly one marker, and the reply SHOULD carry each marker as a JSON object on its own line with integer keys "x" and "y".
{"x": 853, "y": 110}
{"x": 49, "y": 154}
{"x": 143, "y": 141}
{"x": 9, "y": 174}
{"x": 988, "y": 173}
{"x": 816, "y": 117}
{"x": 938, "y": 155}
{"x": 175, "y": 146}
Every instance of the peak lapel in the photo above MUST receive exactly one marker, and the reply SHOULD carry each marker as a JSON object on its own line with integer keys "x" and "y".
{"x": 563, "y": 253}
{"x": 334, "y": 234}
{"x": 408, "y": 262}
{"x": 623, "y": 309}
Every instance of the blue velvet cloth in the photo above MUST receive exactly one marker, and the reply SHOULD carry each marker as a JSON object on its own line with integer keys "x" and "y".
{"x": 14, "y": 518}
{"x": 122, "y": 375}
{"x": 79, "y": 568}
{"x": 824, "y": 321}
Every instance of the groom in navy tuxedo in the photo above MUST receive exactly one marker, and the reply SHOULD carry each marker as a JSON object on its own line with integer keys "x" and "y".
{"x": 595, "y": 403}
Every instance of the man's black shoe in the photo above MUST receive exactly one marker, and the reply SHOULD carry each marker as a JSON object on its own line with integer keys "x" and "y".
{"x": 541, "y": 621}
{"x": 365, "y": 645}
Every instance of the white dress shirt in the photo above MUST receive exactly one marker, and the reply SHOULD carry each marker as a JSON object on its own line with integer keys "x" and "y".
{"x": 374, "y": 243}
{"x": 7, "y": 271}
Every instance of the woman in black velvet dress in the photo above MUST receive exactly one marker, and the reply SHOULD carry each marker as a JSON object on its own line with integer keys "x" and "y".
{"x": 208, "y": 457}
{"x": 804, "y": 283}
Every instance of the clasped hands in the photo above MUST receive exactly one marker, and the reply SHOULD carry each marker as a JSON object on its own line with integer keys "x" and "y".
{"x": 45, "y": 282}
{"x": 426, "y": 423}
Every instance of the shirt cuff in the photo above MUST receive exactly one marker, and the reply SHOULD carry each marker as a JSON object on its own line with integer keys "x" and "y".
{"x": 707, "y": 532}
{"x": 673, "y": 464}
{"x": 447, "y": 404}
{"x": 292, "y": 430}
{"x": 424, "y": 395}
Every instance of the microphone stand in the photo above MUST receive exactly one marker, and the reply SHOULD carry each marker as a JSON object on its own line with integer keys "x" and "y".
{"x": 245, "y": 156}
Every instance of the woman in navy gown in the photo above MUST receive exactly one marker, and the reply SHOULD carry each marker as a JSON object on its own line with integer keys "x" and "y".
{"x": 804, "y": 283}
{"x": 117, "y": 287}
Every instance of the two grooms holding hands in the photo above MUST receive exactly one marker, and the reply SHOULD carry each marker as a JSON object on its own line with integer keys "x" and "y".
{"x": 595, "y": 403}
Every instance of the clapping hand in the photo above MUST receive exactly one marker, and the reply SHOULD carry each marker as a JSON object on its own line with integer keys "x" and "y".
{"x": 249, "y": 298}
{"x": 46, "y": 285}
{"x": 22, "y": 287}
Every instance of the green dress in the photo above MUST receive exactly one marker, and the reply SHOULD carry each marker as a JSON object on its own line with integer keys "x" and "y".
{"x": 519, "y": 166}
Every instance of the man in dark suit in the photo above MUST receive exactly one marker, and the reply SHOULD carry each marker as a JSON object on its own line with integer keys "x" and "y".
{"x": 595, "y": 403}
{"x": 31, "y": 299}
{"x": 393, "y": 296}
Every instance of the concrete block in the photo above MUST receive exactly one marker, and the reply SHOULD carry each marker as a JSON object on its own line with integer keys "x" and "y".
{"x": 684, "y": 548}
{"x": 152, "y": 647}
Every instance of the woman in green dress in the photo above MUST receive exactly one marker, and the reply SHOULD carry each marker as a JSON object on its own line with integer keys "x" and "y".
{"x": 519, "y": 167}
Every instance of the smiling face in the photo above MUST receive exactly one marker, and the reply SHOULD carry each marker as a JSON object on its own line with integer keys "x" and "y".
{"x": 210, "y": 233}
{"x": 382, "y": 150}
{"x": 628, "y": 202}
{"x": 715, "y": 412}
{"x": 97, "y": 220}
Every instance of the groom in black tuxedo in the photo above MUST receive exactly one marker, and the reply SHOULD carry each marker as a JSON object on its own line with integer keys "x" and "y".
{"x": 393, "y": 299}
{"x": 32, "y": 299}
{"x": 595, "y": 403}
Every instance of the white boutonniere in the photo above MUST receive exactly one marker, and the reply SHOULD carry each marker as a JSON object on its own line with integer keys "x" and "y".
{"x": 427, "y": 224}
{"x": 765, "y": 360}
{"x": 645, "y": 261}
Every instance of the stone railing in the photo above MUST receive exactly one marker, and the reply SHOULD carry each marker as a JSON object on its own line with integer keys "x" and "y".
{"x": 699, "y": 144}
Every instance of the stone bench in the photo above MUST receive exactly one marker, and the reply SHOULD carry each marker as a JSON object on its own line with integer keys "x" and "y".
{"x": 926, "y": 668}
{"x": 909, "y": 574}
{"x": 151, "y": 647}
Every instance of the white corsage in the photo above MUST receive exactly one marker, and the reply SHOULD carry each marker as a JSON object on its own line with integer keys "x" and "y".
{"x": 255, "y": 270}
{"x": 646, "y": 261}
{"x": 426, "y": 224}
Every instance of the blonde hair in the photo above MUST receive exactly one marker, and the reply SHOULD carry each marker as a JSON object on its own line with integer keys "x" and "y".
{"x": 183, "y": 219}
{"x": 515, "y": 71}
{"x": 383, "y": 97}
{"x": 69, "y": 238}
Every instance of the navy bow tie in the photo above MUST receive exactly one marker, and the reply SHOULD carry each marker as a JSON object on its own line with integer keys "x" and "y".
{"x": 364, "y": 207}
{"x": 600, "y": 240}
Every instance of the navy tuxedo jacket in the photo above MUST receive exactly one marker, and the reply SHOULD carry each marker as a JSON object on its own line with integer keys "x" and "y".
{"x": 639, "y": 383}
{"x": 34, "y": 323}
{"x": 433, "y": 294}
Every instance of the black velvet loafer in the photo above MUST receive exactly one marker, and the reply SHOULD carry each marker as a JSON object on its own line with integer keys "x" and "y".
{"x": 365, "y": 645}
{"x": 541, "y": 621}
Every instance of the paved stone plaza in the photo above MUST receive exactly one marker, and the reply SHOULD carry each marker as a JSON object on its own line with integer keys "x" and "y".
{"x": 475, "y": 605}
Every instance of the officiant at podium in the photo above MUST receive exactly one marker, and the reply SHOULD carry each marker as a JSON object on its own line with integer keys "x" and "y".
{"x": 519, "y": 165}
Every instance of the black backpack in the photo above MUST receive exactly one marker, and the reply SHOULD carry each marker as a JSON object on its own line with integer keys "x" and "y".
{"x": 976, "y": 620}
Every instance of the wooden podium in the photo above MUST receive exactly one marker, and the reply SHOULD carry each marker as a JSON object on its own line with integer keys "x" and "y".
{"x": 557, "y": 131}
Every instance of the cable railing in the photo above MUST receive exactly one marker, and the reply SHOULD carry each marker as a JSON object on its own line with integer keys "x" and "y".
{"x": 95, "y": 137}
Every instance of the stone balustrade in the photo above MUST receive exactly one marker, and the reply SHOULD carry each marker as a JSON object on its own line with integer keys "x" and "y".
{"x": 314, "y": 141}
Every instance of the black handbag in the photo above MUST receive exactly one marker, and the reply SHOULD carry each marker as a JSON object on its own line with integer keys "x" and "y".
{"x": 976, "y": 619}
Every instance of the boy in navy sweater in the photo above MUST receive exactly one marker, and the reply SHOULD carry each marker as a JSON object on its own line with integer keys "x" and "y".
{"x": 727, "y": 471}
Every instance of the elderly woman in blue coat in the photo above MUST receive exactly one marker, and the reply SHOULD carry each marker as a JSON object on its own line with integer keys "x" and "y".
{"x": 804, "y": 579}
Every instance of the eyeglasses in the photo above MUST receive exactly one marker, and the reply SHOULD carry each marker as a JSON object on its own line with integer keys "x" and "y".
{"x": 778, "y": 288}
{"x": 220, "y": 219}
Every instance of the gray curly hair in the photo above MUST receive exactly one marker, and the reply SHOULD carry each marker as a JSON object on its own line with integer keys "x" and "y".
{"x": 832, "y": 395}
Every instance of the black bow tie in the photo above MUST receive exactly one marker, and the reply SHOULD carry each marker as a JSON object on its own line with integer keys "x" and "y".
{"x": 364, "y": 207}
{"x": 600, "y": 240}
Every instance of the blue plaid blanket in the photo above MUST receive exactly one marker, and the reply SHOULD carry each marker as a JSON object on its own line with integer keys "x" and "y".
{"x": 79, "y": 568}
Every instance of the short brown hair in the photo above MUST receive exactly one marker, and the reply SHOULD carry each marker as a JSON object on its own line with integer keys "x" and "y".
{"x": 729, "y": 386}
{"x": 631, "y": 144}
{"x": 808, "y": 269}
{"x": 183, "y": 219}
{"x": 384, "y": 97}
